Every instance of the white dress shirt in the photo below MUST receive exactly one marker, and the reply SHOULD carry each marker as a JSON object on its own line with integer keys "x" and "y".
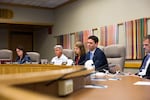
{"x": 59, "y": 61}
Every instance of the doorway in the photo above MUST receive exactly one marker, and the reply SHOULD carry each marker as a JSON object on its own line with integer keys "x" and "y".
{"x": 19, "y": 38}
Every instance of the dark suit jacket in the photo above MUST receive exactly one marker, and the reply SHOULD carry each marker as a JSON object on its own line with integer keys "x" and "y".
{"x": 147, "y": 75}
{"x": 99, "y": 60}
{"x": 81, "y": 60}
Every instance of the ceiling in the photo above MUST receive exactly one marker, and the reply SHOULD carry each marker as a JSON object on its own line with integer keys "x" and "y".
{"x": 37, "y": 3}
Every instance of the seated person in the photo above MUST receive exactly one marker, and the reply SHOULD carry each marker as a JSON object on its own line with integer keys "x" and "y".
{"x": 96, "y": 54}
{"x": 60, "y": 58}
{"x": 144, "y": 70}
{"x": 22, "y": 57}
{"x": 80, "y": 53}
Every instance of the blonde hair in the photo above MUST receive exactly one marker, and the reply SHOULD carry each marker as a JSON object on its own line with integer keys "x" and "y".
{"x": 80, "y": 45}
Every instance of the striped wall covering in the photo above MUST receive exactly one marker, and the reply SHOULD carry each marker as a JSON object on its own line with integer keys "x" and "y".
{"x": 112, "y": 34}
{"x": 64, "y": 40}
{"x": 103, "y": 36}
{"x": 86, "y": 34}
{"x": 135, "y": 31}
{"x": 68, "y": 40}
{"x": 79, "y": 36}
{"x": 109, "y": 35}
{"x": 129, "y": 37}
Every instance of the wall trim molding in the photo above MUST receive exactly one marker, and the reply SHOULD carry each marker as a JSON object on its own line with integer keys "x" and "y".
{"x": 9, "y": 21}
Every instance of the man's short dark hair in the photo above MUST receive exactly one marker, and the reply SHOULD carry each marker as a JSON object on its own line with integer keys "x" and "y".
{"x": 94, "y": 38}
{"x": 147, "y": 37}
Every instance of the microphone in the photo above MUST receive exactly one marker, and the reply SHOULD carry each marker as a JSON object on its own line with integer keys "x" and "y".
{"x": 61, "y": 77}
{"x": 102, "y": 67}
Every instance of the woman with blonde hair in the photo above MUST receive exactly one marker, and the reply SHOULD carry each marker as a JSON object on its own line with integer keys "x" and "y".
{"x": 80, "y": 53}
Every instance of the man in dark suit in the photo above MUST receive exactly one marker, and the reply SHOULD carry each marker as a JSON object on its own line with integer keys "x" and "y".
{"x": 96, "y": 54}
{"x": 144, "y": 70}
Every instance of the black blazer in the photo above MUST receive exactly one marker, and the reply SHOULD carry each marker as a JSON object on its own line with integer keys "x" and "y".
{"x": 25, "y": 59}
{"x": 147, "y": 75}
{"x": 99, "y": 60}
{"x": 81, "y": 60}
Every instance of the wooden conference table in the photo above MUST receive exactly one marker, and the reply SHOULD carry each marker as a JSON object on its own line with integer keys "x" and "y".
{"x": 117, "y": 90}
{"x": 27, "y": 82}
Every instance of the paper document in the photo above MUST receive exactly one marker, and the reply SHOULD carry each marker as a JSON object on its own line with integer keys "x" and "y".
{"x": 142, "y": 83}
{"x": 96, "y": 86}
{"x": 114, "y": 79}
{"x": 98, "y": 79}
